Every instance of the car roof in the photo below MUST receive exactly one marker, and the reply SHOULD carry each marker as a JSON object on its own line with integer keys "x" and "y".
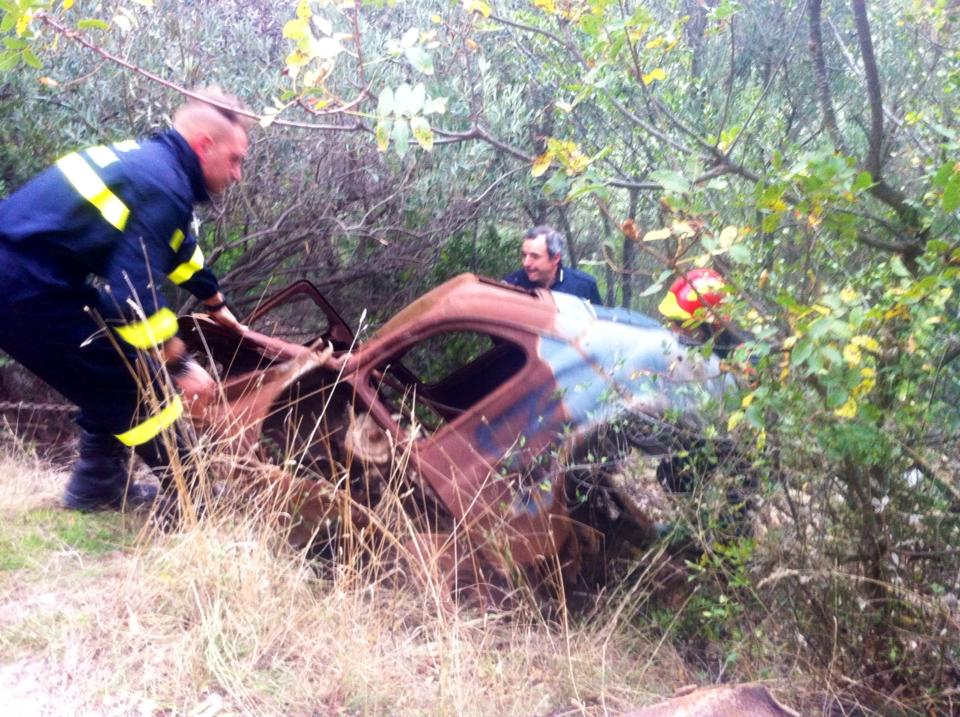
{"x": 469, "y": 297}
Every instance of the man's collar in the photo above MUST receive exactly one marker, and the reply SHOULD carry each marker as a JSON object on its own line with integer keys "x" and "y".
{"x": 558, "y": 279}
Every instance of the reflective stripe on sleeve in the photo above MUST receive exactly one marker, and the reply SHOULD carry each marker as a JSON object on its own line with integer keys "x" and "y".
{"x": 91, "y": 187}
{"x": 176, "y": 241}
{"x": 150, "y": 332}
{"x": 148, "y": 429}
{"x": 188, "y": 268}
{"x": 126, "y": 145}
{"x": 102, "y": 156}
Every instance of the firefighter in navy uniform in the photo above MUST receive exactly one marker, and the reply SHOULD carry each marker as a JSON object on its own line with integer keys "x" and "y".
{"x": 84, "y": 247}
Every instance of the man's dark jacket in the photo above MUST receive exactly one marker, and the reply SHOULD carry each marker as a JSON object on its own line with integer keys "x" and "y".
{"x": 568, "y": 281}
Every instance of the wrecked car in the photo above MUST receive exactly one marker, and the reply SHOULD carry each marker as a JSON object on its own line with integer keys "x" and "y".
{"x": 506, "y": 405}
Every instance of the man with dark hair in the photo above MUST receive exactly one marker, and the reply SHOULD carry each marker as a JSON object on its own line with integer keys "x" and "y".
{"x": 542, "y": 257}
{"x": 83, "y": 248}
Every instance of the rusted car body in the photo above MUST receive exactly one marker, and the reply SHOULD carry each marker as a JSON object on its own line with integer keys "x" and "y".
{"x": 497, "y": 397}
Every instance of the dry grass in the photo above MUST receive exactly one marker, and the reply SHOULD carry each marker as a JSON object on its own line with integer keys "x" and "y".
{"x": 104, "y": 615}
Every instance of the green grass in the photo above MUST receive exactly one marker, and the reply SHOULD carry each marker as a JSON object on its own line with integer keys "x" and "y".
{"x": 30, "y": 538}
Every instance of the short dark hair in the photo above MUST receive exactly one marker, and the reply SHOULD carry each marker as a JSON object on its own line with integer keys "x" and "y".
{"x": 551, "y": 236}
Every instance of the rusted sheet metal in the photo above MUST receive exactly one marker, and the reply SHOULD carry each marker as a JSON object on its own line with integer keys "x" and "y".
{"x": 487, "y": 438}
{"x": 718, "y": 701}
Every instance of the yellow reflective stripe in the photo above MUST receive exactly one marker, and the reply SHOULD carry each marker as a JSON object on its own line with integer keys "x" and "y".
{"x": 150, "y": 332}
{"x": 176, "y": 241}
{"x": 143, "y": 432}
{"x": 126, "y": 146}
{"x": 91, "y": 187}
{"x": 102, "y": 156}
{"x": 187, "y": 268}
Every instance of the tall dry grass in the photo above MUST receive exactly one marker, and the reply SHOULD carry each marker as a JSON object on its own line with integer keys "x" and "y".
{"x": 222, "y": 617}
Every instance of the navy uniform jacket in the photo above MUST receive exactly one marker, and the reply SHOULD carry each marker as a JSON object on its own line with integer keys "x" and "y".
{"x": 568, "y": 281}
{"x": 120, "y": 214}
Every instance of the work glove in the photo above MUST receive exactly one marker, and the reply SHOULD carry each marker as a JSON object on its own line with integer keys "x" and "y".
{"x": 198, "y": 387}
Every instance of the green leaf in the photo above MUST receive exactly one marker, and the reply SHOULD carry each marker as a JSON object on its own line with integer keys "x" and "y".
{"x": 385, "y": 103}
{"x": 951, "y": 194}
{"x": 421, "y": 60}
{"x": 820, "y": 327}
{"x": 740, "y": 254}
{"x": 92, "y": 23}
{"x": 863, "y": 181}
{"x": 581, "y": 187}
{"x": 834, "y": 356}
{"x": 401, "y": 136}
{"x": 9, "y": 60}
{"x": 671, "y": 181}
{"x": 801, "y": 352}
{"x": 417, "y": 97}
{"x": 435, "y": 106}
{"x": 556, "y": 185}
{"x": 403, "y": 100}
{"x": 896, "y": 265}
{"x": 13, "y": 43}
{"x": 32, "y": 59}
{"x": 943, "y": 174}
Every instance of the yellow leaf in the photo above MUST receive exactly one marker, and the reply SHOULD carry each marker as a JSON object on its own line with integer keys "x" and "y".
{"x": 852, "y": 355}
{"x": 436, "y": 19}
{"x": 934, "y": 320}
{"x": 761, "y": 439}
{"x": 296, "y": 29}
{"x": 657, "y": 235}
{"x": 785, "y": 367}
{"x": 821, "y": 309}
{"x": 67, "y": 4}
{"x": 655, "y": 43}
{"x": 541, "y": 164}
{"x": 303, "y": 10}
{"x": 847, "y": 410}
{"x": 382, "y": 134}
{"x": 682, "y": 229}
{"x": 547, "y": 5}
{"x": 867, "y": 343}
{"x": 654, "y": 75}
{"x": 848, "y": 295}
{"x": 478, "y": 6}
{"x": 23, "y": 22}
{"x": 728, "y": 237}
{"x": 864, "y": 387}
{"x": 472, "y": 44}
{"x": 48, "y": 82}
{"x": 747, "y": 400}
{"x": 790, "y": 342}
{"x": 735, "y": 418}
{"x": 297, "y": 59}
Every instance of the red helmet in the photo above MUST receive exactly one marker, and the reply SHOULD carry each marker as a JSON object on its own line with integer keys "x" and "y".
{"x": 697, "y": 289}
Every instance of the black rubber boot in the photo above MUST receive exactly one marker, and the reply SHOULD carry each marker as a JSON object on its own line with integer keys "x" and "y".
{"x": 100, "y": 479}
